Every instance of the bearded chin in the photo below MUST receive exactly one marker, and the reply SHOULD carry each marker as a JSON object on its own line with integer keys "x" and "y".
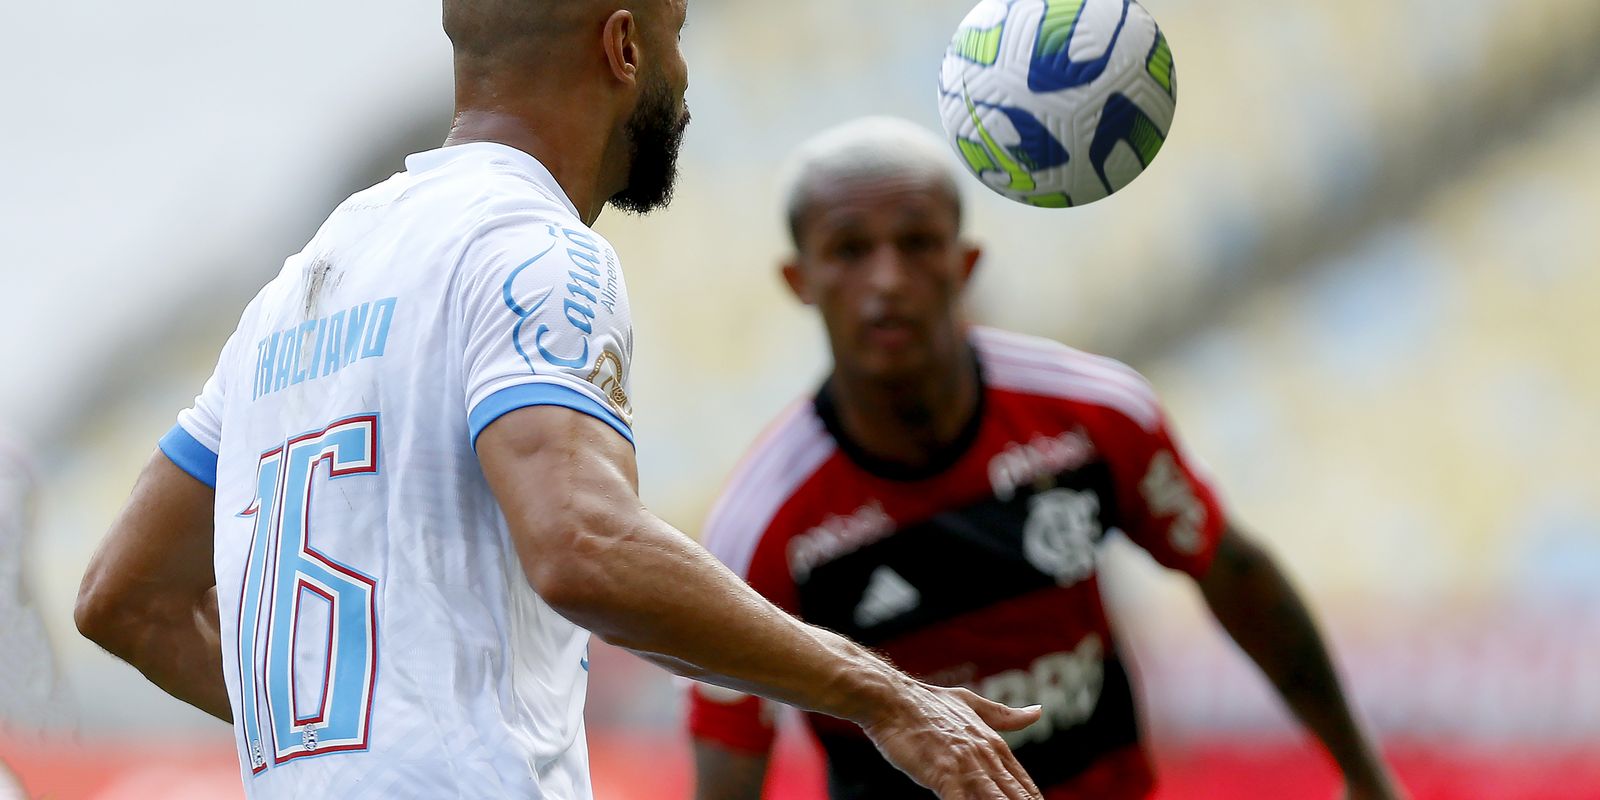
{"x": 655, "y": 133}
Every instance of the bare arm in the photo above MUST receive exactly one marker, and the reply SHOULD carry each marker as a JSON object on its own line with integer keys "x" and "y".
{"x": 149, "y": 595}
{"x": 1259, "y": 608}
{"x": 722, "y": 773}
{"x": 568, "y": 486}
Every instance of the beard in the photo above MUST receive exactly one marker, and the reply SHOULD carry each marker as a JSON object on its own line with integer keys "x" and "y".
{"x": 655, "y": 134}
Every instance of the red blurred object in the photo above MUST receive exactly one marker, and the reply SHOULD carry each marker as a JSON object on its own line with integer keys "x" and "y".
{"x": 652, "y": 766}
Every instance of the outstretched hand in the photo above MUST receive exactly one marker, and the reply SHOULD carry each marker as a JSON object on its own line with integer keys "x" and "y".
{"x": 946, "y": 740}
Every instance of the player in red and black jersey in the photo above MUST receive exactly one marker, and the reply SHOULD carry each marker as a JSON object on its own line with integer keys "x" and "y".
{"x": 941, "y": 498}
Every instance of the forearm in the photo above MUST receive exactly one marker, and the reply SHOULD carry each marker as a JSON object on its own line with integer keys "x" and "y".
{"x": 177, "y": 647}
{"x": 149, "y": 594}
{"x": 638, "y": 583}
{"x": 1263, "y": 613}
{"x": 569, "y": 488}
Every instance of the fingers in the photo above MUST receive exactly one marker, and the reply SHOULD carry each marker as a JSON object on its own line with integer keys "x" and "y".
{"x": 976, "y": 764}
{"x": 1014, "y": 768}
{"x": 1013, "y": 778}
{"x": 1011, "y": 789}
{"x": 982, "y": 769}
{"x": 999, "y": 716}
{"x": 994, "y": 787}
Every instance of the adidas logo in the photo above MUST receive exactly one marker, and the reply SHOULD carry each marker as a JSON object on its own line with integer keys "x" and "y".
{"x": 887, "y": 596}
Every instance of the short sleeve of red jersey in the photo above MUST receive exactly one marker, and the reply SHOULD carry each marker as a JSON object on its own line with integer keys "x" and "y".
{"x": 1166, "y": 502}
{"x": 735, "y": 720}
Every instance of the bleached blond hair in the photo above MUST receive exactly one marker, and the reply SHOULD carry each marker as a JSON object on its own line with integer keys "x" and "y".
{"x": 869, "y": 147}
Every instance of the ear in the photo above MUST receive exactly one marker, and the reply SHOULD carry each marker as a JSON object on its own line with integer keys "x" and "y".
{"x": 969, "y": 262}
{"x": 620, "y": 38}
{"x": 796, "y": 278}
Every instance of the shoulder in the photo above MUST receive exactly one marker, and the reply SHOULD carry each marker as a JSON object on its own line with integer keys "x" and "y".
{"x": 786, "y": 457}
{"x": 1043, "y": 368}
{"x": 491, "y": 221}
{"x": 256, "y": 322}
{"x": 488, "y": 201}
{"x": 539, "y": 260}
{"x": 482, "y": 174}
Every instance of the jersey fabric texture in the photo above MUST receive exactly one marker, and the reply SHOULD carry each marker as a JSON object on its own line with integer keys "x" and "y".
{"x": 379, "y": 636}
{"x": 979, "y": 570}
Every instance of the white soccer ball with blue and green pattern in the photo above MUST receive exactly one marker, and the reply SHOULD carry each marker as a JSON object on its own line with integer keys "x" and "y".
{"x": 1057, "y": 103}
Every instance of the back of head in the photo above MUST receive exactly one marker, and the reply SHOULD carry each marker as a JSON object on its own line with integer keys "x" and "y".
{"x": 493, "y": 35}
{"x": 594, "y": 89}
{"x": 868, "y": 148}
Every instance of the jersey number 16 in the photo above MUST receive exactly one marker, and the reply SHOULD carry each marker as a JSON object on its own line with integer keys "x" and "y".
{"x": 307, "y": 635}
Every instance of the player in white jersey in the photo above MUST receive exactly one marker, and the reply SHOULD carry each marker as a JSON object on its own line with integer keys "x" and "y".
{"x": 379, "y": 539}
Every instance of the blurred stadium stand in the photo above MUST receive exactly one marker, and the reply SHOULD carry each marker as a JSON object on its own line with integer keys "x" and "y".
{"x": 1362, "y": 274}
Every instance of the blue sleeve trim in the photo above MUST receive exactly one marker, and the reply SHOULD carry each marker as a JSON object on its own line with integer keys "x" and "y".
{"x": 523, "y": 395}
{"x": 190, "y": 455}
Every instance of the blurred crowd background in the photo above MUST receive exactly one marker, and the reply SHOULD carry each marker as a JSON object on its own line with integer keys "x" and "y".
{"x": 1362, "y": 273}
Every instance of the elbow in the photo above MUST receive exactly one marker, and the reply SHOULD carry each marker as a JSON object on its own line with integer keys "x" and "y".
{"x": 112, "y": 616}
{"x": 574, "y": 568}
{"x": 567, "y": 587}
{"x": 1237, "y": 558}
{"x": 100, "y": 615}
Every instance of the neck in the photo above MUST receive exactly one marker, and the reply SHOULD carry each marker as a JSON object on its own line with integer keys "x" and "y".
{"x": 909, "y": 422}
{"x": 577, "y": 160}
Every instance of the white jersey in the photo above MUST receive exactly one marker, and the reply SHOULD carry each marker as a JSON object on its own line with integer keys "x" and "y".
{"x": 379, "y": 636}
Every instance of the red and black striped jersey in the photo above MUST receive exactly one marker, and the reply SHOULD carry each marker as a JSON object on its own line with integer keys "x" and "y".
{"x": 979, "y": 570}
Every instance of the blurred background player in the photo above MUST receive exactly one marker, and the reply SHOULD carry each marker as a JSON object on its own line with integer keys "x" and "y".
{"x": 942, "y": 496}
{"x": 417, "y": 451}
{"x": 30, "y": 694}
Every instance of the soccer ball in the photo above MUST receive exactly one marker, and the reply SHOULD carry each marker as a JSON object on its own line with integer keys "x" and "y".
{"x": 1056, "y": 103}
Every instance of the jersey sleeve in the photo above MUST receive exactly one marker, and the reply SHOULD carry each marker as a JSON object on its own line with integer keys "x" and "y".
{"x": 1166, "y": 502}
{"x": 546, "y": 321}
{"x": 194, "y": 442}
{"x": 733, "y": 719}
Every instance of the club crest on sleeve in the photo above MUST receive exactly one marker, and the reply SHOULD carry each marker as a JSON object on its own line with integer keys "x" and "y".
{"x": 611, "y": 376}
